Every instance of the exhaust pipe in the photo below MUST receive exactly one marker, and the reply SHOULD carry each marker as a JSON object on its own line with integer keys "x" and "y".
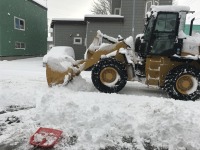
{"x": 191, "y": 26}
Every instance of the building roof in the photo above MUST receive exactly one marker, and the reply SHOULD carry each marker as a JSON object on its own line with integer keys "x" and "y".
{"x": 104, "y": 18}
{"x": 100, "y": 18}
{"x": 170, "y": 8}
{"x": 67, "y": 20}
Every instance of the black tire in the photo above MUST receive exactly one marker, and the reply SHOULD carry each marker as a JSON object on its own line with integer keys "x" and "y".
{"x": 177, "y": 89}
{"x": 99, "y": 71}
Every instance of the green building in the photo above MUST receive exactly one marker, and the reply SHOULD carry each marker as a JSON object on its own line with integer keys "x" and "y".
{"x": 195, "y": 29}
{"x": 23, "y": 29}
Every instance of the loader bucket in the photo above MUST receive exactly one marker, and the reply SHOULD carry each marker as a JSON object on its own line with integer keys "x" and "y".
{"x": 55, "y": 77}
{"x": 61, "y": 70}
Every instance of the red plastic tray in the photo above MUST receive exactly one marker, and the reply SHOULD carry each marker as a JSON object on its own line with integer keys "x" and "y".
{"x": 45, "y": 137}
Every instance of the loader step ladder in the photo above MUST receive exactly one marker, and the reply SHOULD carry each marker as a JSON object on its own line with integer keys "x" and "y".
{"x": 153, "y": 71}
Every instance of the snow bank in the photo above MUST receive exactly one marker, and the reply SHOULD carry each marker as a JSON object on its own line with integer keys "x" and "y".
{"x": 178, "y": 128}
{"x": 104, "y": 119}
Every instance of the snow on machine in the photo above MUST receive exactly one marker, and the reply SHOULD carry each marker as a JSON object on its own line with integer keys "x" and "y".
{"x": 163, "y": 56}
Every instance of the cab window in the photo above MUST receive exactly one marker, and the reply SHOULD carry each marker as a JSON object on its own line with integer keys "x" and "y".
{"x": 166, "y": 23}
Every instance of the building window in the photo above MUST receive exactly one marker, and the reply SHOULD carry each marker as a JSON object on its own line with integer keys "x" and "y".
{"x": 19, "y": 23}
{"x": 20, "y": 45}
{"x": 78, "y": 40}
{"x": 117, "y": 11}
{"x": 149, "y": 3}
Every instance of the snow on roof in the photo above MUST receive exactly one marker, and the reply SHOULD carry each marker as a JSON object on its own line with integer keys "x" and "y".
{"x": 77, "y": 20}
{"x": 43, "y": 3}
{"x": 103, "y": 16}
{"x": 170, "y": 8}
{"x": 67, "y": 19}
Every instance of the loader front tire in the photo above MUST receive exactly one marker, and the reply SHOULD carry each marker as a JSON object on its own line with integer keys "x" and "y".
{"x": 109, "y": 75}
{"x": 182, "y": 83}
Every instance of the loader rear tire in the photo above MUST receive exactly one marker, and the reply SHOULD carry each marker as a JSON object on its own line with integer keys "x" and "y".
{"x": 182, "y": 83}
{"x": 109, "y": 75}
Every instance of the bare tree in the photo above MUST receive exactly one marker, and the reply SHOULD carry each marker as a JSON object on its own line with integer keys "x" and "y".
{"x": 175, "y": 2}
{"x": 102, "y": 7}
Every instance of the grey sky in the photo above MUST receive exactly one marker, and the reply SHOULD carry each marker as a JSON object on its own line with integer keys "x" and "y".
{"x": 78, "y": 8}
{"x": 68, "y": 8}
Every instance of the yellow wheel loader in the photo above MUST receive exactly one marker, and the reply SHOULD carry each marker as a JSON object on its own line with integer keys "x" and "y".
{"x": 163, "y": 56}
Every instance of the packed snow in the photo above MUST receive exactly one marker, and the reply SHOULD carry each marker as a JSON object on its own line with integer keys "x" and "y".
{"x": 191, "y": 44}
{"x": 139, "y": 117}
{"x": 103, "y": 16}
{"x": 57, "y": 51}
{"x": 60, "y": 58}
{"x": 98, "y": 45}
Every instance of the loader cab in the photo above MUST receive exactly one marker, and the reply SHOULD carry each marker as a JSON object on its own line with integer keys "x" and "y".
{"x": 160, "y": 34}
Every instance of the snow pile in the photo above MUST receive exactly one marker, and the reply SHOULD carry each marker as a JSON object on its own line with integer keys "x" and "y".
{"x": 106, "y": 46}
{"x": 79, "y": 84}
{"x": 104, "y": 120}
{"x": 59, "y": 51}
{"x": 178, "y": 129}
{"x": 61, "y": 63}
{"x": 96, "y": 42}
{"x": 60, "y": 58}
{"x": 129, "y": 41}
{"x": 98, "y": 45}
{"x": 109, "y": 38}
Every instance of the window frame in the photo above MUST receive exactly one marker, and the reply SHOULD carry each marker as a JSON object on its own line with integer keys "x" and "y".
{"x": 20, "y": 19}
{"x": 166, "y": 22}
{"x": 20, "y": 43}
{"x": 117, "y": 9}
{"x": 161, "y": 35}
{"x": 78, "y": 43}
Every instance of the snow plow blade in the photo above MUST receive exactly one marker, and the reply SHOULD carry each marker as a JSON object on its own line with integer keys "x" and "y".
{"x": 55, "y": 77}
{"x": 61, "y": 70}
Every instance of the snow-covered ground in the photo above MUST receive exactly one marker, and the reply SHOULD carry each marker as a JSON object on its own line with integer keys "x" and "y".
{"x": 139, "y": 117}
